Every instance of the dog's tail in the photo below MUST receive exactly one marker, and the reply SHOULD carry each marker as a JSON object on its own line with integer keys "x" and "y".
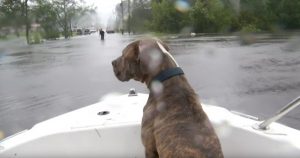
{"x": 162, "y": 48}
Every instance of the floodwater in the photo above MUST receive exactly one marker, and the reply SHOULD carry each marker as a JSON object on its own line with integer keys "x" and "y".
{"x": 38, "y": 82}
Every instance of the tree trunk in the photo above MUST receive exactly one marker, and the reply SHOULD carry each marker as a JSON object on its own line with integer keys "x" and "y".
{"x": 122, "y": 9}
{"x": 129, "y": 18}
{"x": 26, "y": 21}
{"x": 65, "y": 23}
{"x": 70, "y": 28}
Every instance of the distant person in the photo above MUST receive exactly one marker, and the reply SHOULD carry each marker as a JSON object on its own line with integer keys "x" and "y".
{"x": 101, "y": 32}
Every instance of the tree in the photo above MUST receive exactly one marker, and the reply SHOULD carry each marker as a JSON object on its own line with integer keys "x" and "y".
{"x": 64, "y": 8}
{"x": 56, "y": 15}
{"x": 253, "y": 15}
{"x": 165, "y": 17}
{"x": 27, "y": 22}
{"x": 285, "y": 14}
{"x": 11, "y": 14}
{"x": 67, "y": 10}
{"x": 15, "y": 14}
{"x": 141, "y": 15}
{"x": 119, "y": 23}
{"x": 47, "y": 17}
{"x": 211, "y": 16}
{"x": 125, "y": 15}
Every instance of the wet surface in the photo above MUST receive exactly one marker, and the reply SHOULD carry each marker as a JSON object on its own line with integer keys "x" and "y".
{"x": 38, "y": 82}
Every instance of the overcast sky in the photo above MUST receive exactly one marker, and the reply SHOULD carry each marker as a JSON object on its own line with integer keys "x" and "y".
{"x": 105, "y": 8}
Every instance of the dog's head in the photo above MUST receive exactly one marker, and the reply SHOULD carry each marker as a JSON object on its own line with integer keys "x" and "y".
{"x": 142, "y": 60}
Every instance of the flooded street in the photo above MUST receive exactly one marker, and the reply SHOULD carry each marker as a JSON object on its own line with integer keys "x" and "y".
{"x": 38, "y": 82}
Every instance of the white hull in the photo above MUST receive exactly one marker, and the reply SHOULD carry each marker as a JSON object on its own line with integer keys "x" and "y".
{"x": 84, "y": 133}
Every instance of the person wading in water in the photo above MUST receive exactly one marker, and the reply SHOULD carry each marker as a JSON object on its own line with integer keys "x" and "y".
{"x": 101, "y": 32}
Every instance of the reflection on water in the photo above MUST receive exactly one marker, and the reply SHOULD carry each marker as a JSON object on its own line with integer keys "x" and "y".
{"x": 38, "y": 82}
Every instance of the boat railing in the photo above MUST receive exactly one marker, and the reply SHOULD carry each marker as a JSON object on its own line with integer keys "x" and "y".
{"x": 282, "y": 112}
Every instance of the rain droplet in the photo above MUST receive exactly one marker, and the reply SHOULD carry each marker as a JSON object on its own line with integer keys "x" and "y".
{"x": 1, "y": 135}
{"x": 155, "y": 60}
{"x": 182, "y": 6}
{"x": 223, "y": 129}
{"x": 157, "y": 87}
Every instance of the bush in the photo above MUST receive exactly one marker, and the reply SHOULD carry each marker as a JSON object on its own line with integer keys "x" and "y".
{"x": 51, "y": 33}
{"x": 35, "y": 37}
{"x": 211, "y": 16}
{"x": 165, "y": 17}
{"x": 250, "y": 28}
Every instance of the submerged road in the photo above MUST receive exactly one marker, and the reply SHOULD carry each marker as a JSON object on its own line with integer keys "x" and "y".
{"x": 41, "y": 81}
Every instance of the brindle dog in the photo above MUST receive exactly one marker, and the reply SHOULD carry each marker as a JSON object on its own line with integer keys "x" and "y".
{"x": 174, "y": 124}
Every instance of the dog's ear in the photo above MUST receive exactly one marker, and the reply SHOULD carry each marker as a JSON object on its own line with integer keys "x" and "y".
{"x": 132, "y": 51}
{"x": 144, "y": 50}
{"x": 162, "y": 43}
{"x": 150, "y": 56}
{"x": 146, "y": 45}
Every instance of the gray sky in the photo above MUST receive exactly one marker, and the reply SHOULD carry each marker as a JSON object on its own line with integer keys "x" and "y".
{"x": 105, "y": 8}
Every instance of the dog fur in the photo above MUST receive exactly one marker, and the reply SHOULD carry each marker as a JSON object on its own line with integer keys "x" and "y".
{"x": 174, "y": 124}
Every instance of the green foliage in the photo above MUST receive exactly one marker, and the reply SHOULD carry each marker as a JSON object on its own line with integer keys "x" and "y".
{"x": 254, "y": 16}
{"x": 11, "y": 14}
{"x": 48, "y": 18}
{"x": 250, "y": 28}
{"x": 284, "y": 13}
{"x": 165, "y": 18}
{"x": 210, "y": 16}
{"x": 35, "y": 38}
{"x": 56, "y": 16}
{"x": 51, "y": 15}
{"x": 223, "y": 16}
{"x": 140, "y": 19}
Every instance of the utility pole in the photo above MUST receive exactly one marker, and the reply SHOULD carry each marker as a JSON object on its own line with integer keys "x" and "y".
{"x": 65, "y": 19}
{"x": 122, "y": 11}
{"x": 129, "y": 18}
{"x": 26, "y": 21}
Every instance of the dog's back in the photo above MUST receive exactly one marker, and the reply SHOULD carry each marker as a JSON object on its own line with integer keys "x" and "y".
{"x": 180, "y": 127}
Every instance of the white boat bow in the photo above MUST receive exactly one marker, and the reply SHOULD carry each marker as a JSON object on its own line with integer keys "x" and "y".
{"x": 111, "y": 128}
